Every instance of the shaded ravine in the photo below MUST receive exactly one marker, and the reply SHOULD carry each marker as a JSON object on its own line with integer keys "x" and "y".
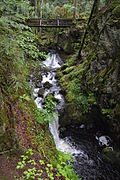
{"x": 51, "y": 64}
{"x": 80, "y": 141}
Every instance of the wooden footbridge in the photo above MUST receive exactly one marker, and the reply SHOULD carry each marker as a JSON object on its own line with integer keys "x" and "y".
{"x": 48, "y": 23}
{"x": 52, "y": 23}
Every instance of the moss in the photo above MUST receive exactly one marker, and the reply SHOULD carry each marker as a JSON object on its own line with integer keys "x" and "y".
{"x": 116, "y": 111}
{"x": 112, "y": 156}
{"x": 68, "y": 70}
{"x": 69, "y": 96}
{"x": 51, "y": 97}
{"x": 47, "y": 85}
{"x": 63, "y": 67}
{"x": 116, "y": 11}
{"x": 64, "y": 82}
{"x": 59, "y": 75}
{"x": 72, "y": 59}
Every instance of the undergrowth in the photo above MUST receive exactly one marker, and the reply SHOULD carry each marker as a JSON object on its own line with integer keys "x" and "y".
{"x": 18, "y": 58}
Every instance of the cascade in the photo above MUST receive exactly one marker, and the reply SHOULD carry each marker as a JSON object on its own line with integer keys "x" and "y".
{"x": 82, "y": 142}
{"x": 53, "y": 62}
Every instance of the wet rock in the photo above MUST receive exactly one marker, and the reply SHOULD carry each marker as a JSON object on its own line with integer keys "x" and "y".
{"x": 59, "y": 75}
{"x": 62, "y": 92}
{"x": 64, "y": 67}
{"x": 47, "y": 85}
{"x": 71, "y": 115}
{"x": 41, "y": 92}
{"x": 112, "y": 156}
{"x": 68, "y": 70}
{"x": 37, "y": 84}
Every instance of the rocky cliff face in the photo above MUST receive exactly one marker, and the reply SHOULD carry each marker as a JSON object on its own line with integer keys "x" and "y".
{"x": 103, "y": 73}
{"x": 99, "y": 70}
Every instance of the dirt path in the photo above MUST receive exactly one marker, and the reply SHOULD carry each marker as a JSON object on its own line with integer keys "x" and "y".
{"x": 8, "y": 168}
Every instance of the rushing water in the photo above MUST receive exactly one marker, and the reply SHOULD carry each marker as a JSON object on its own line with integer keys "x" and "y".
{"x": 80, "y": 141}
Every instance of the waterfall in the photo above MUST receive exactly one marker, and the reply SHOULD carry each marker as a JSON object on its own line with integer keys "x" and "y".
{"x": 53, "y": 62}
{"x": 79, "y": 141}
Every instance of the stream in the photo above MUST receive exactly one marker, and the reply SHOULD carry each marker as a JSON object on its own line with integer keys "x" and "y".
{"x": 80, "y": 141}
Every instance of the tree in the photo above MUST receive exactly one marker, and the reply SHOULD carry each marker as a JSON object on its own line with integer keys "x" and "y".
{"x": 41, "y": 6}
{"x": 75, "y": 6}
{"x": 36, "y": 8}
{"x": 93, "y": 11}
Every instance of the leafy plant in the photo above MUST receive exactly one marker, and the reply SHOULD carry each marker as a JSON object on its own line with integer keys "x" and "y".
{"x": 64, "y": 167}
{"x": 81, "y": 99}
{"x": 33, "y": 172}
{"x": 107, "y": 112}
{"x": 46, "y": 114}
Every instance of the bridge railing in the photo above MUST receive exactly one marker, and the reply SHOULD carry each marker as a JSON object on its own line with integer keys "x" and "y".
{"x": 37, "y": 22}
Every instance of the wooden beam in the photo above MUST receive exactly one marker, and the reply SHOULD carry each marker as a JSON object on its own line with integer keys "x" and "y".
{"x": 51, "y": 26}
{"x": 60, "y": 22}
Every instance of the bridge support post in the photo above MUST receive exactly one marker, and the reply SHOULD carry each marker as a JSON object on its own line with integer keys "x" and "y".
{"x": 75, "y": 7}
{"x": 58, "y": 22}
{"x": 41, "y": 6}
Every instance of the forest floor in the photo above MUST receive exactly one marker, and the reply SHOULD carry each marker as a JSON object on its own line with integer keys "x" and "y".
{"x": 8, "y": 167}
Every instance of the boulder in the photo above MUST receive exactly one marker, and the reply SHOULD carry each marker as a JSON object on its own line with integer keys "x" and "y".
{"x": 47, "y": 85}
{"x": 41, "y": 92}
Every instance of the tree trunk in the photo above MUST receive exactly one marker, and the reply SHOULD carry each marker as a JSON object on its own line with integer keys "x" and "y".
{"x": 36, "y": 7}
{"x": 94, "y": 10}
{"x": 36, "y": 14}
{"x": 41, "y": 6}
{"x": 75, "y": 6}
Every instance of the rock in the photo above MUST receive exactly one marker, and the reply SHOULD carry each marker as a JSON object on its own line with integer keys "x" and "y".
{"x": 112, "y": 156}
{"x": 39, "y": 76}
{"x": 64, "y": 67}
{"x": 47, "y": 85}
{"x": 41, "y": 92}
{"x": 68, "y": 70}
{"x": 37, "y": 83}
{"x": 62, "y": 92}
{"x": 59, "y": 75}
{"x": 71, "y": 116}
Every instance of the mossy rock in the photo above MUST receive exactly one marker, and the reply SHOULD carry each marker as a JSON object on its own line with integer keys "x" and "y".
{"x": 39, "y": 76}
{"x": 59, "y": 74}
{"x": 51, "y": 96}
{"x": 63, "y": 67}
{"x": 72, "y": 115}
{"x": 68, "y": 70}
{"x": 64, "y": 81}
{"x": 47, "y": 85}
{"x": 41, "y": 92}
{"x": 72, "y": 60}
{"x": 116, "y": 11}
{"x": 111, "y": 155}
{"x": 37, "y": 83}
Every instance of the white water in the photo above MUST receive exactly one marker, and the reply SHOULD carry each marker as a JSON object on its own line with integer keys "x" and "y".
{"x": 53, "y": 62}
{"x": 88, "y": 162}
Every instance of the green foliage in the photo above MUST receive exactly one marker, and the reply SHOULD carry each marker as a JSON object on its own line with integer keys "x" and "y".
{"x": 30, "y": 170}
{"x": 26, "y": 160}
{"x": 80, "y": 99}
{"x": 49, "y": 10}
{"x": 26, "y": 41}
{"x": 25, "y": 97}
{"x": 16, "y": 9}
{"x": 65, "y": 168}
{"x": 107, "y": 112}
{"x": 18, "y": 52}
{"x": 46, "y": 114}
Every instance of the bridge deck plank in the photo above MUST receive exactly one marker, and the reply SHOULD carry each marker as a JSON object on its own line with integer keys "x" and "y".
{"x": 57, "y": 23}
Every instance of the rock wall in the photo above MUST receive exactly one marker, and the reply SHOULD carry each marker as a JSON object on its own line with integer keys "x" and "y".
{"x": 103, "y": 73}
{"x": 98, "y": 72}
